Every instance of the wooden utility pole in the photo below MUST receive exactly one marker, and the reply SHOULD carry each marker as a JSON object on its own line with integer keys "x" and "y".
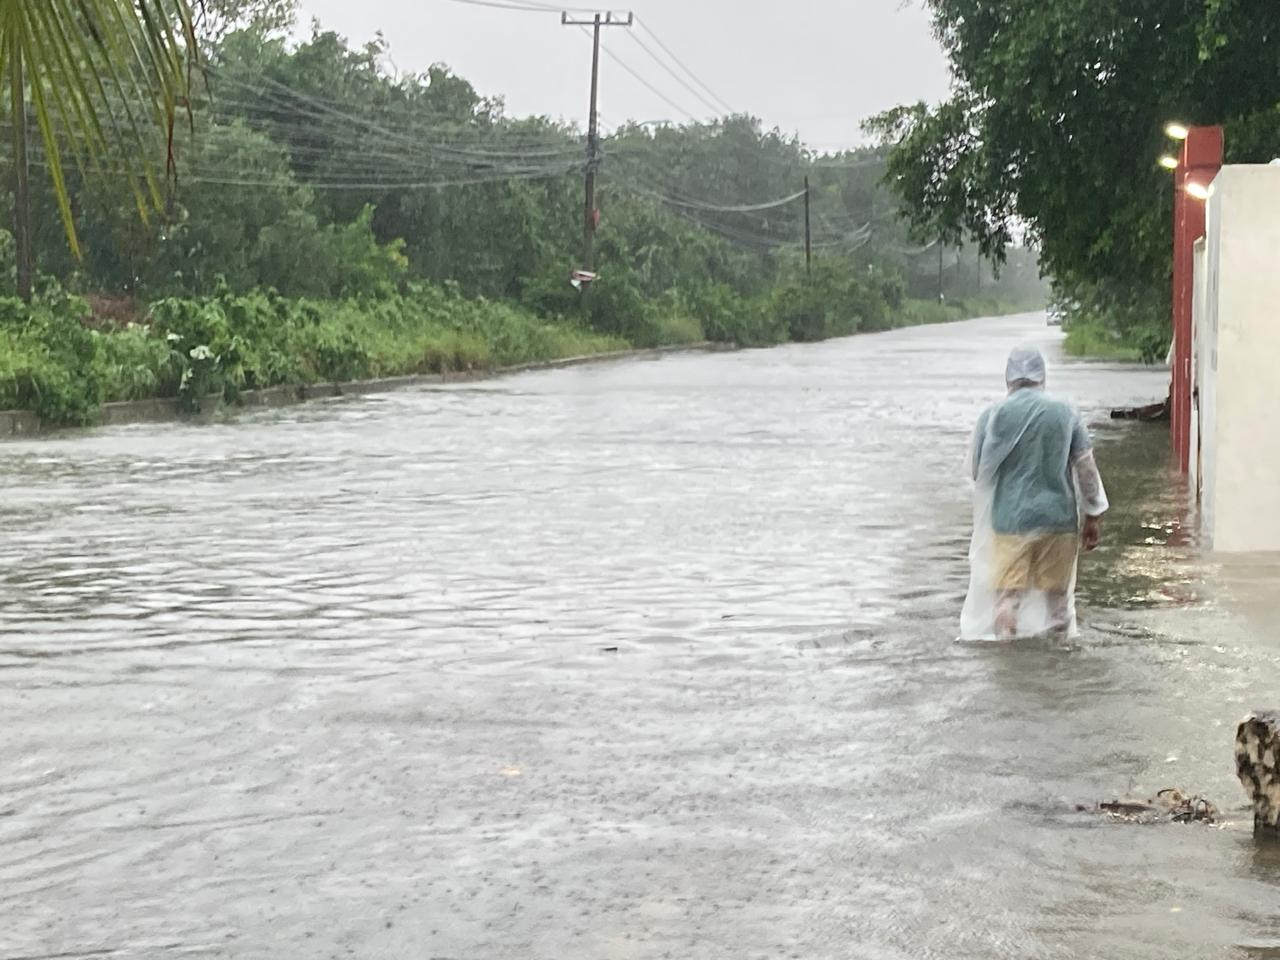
{"x": 808, "y": 232}
{"x": 593, "y": 128}
{"x": 939, "y": 269}
{"x": 22, "y": 232}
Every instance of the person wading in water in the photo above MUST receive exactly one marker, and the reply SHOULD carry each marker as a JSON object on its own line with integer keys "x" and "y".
{"x": 1030, "y": 455}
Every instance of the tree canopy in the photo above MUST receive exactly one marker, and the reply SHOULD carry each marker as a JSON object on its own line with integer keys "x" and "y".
{"x": 1056, "y": 123}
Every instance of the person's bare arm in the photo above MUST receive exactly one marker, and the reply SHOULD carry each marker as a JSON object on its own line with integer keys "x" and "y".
{"x": 1091, "y": 534}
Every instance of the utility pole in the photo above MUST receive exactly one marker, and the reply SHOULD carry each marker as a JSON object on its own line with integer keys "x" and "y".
{"x": 23, "y": 234}
{"x": 939, "y": 269}
{"x": 593, "y": 128}
{"x": 808, "y": 233}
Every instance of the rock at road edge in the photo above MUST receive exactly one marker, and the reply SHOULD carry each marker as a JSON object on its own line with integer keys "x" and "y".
{"x": 1258, "y": 767}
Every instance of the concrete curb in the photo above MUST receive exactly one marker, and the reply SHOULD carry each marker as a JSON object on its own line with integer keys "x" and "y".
{"x": 24, "y": 423}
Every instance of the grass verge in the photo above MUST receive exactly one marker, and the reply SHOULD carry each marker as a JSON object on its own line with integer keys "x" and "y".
{"x": 1089, "y": 340}
{"x": 63, "y": 360}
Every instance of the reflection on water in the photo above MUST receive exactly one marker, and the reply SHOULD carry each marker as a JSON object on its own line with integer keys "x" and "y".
{"x": 1148, "y": 558}
{"x": 638, "y": 660}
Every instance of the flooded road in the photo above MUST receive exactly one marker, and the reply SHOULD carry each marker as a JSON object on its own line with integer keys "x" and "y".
{"x": 629, "y": 661}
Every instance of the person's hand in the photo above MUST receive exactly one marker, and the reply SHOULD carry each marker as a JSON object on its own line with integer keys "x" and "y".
{"x": 1091, "y": 534}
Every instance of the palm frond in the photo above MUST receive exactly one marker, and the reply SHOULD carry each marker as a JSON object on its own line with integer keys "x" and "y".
{"x": 104, "y": 79}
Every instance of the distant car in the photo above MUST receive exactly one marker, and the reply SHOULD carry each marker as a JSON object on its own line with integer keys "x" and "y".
{"x": 1053, "y": 316}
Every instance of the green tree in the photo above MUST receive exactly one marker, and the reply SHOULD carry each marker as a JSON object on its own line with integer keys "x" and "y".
{"x": 216, "y": 19}
{"x": 1056, "y": 122}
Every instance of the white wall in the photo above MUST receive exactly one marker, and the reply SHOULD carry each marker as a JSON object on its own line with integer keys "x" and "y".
{"x": 1238, "y": 335}
{"x": 1198, "y": 363}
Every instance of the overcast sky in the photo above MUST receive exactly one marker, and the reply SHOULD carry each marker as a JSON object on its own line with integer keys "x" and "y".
{"x": 813, "y": 67}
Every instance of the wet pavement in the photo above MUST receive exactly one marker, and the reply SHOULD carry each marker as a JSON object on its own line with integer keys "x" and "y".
{"x": 637, "y": 660}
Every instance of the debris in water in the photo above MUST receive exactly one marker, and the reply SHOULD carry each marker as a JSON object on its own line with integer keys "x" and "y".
{"x": 1168, "y": 806}
{"x": 1149, "y": 413}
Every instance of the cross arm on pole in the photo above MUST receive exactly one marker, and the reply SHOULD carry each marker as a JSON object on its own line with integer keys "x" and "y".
{"x": 605, "y": 19}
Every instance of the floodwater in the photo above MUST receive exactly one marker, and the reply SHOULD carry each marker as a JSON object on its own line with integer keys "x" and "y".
{"x": 638, "y": 660}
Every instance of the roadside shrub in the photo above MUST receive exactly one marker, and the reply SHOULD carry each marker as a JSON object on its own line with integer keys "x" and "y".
{"x": 49, "y": 358}
{"x": 135, "y": 364}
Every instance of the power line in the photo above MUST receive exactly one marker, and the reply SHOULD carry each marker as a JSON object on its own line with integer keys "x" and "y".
{"x": 642, "y": 170}
{"x": 738, "y": 235}
{"x": 854, "y": 236}
{"x": 390, "y": 185}
{"x": 656, "y": 92}
{"x": 847, "y": 164}
{"x": 505, "y": 5}
{"x": 356, "y": 140}
{"x": 359, "y": 166}
{"x": 913, "y": 253}
{"x": 387, "y": 137}
{"x": 330, "y": 112}
{"x": 679, "y": 79}
{"x": 667, "y": 50}
{"x": 525, "y": 6}
{"x": 460, "y": 132}
{"x": 713, "y": 208}
{"x": 240, "y": 178}
{"x": 848, "y": 245}
{"x": 366, "y": 163}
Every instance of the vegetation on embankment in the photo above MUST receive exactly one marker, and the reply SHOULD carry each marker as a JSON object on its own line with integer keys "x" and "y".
{"x": 61, "y": 361}
{"x": 1093, "y": 341}
{"x": 920, "y": 312}
{"x": 1094, "y": 332}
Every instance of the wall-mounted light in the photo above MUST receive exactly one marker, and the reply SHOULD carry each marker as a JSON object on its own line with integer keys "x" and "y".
{"x": 1176, "y": 131}
{"x": 1198, "y": 191}
{"x": 1169, "y": 163}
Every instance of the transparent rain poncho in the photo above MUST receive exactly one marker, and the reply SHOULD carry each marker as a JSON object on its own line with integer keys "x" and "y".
{"x": 1034, "y": 477}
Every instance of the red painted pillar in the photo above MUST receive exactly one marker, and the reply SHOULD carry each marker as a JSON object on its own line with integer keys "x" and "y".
{"x": 1200, "y": 162}
{"x": 1177, "y": 389}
